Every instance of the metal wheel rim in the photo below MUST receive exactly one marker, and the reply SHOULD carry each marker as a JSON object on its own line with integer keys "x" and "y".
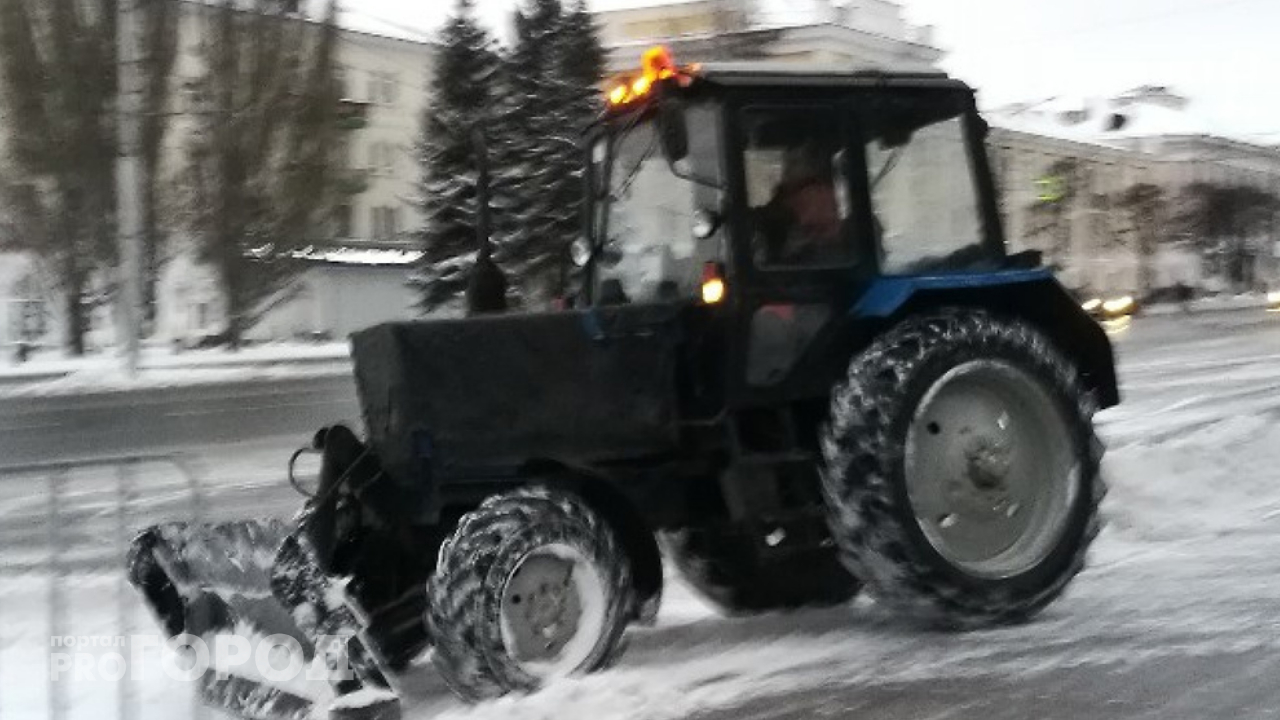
{"x": 990, "y": 470}
{"x": 552, "y": 611}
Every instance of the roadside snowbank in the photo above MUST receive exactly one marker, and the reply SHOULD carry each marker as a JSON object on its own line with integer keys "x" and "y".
{"x": 161, "y": 367}
{"x": 1215, "y": 303}
{"x": 110, "y": 380}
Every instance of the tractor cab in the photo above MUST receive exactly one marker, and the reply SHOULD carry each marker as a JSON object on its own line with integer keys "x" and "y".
{"x": 773, "y": 203}
{"x": 754, "y": 178}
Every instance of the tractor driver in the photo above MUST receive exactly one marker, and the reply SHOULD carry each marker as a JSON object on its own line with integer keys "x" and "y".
{"x": 803, "y": 222}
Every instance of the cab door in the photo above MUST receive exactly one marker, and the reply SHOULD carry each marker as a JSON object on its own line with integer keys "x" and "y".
{"x": 800, "y": 244}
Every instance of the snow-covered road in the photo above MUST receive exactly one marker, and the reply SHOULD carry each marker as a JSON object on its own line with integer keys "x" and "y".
{"x": 1178, "y": 615}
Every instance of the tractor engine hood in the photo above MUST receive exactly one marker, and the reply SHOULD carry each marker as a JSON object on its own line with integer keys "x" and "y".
{"x": 483, "y": 396}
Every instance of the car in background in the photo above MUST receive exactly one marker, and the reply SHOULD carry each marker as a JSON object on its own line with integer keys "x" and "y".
{"x": 1273, "y": 301}
{"x": 1111, "y": 308}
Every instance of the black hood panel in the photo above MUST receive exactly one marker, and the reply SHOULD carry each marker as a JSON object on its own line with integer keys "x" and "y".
{"x": 494, "y": 392}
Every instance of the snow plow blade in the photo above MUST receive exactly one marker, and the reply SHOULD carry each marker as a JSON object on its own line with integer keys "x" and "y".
{"x": 251, "y": 699}
{"x": 255, "y": 579}
{"x": 204, "y": 579}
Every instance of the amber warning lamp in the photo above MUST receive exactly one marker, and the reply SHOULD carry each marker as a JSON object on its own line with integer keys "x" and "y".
{"x": 713, "y": 287}
{"x": 655, "y": 65}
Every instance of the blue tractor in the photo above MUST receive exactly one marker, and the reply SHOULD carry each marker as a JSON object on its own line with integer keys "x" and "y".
{"x": 801, "y": 364}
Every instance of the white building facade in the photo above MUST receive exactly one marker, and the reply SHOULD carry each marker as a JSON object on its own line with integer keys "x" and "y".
{"x": 388, "y": 76}
{"x": 854, "y": 33}
{"x": 1149, "y": 135}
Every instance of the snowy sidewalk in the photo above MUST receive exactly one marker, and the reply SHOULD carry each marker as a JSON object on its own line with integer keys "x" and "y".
{"x": 49, "y": 374}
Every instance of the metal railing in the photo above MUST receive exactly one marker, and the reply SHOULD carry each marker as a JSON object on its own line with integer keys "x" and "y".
{"x": 74, "y": 544}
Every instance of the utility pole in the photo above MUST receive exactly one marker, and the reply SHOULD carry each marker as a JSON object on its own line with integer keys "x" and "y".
{"x": 128, "y": 163}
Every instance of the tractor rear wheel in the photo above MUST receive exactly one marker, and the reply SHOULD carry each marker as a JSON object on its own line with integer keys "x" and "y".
{"x": 531, "y": 586}
{"x": 730, "y": 571}
{"x": 962, "y": 469}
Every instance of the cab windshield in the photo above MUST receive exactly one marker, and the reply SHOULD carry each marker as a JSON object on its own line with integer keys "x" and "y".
{"x": 644, "y": 208}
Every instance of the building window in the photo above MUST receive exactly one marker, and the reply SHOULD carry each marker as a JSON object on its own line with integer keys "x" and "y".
{"x": 193, "y": 100}
{"x": 382, "y": 158}
{"x": 28, "y": 315}
{"x": 342, "y": 221}
{"x": 385, "y": 223}
{"x": 383, "y": 88}
{"x": 340, "y": 81}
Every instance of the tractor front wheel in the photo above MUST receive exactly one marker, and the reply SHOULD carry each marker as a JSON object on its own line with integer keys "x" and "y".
{"x": 962, "y": 470}
{"x": 531, "y": 586}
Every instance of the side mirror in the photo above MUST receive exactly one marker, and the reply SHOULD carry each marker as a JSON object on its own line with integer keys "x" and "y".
{"x": 304, "y": 470}
{"x": 673, "y": 132}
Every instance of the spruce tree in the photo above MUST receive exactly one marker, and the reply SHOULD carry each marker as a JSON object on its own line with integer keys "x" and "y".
{"x": 58, "y": 81}
{"x": 582, "y": 65}
{"x": 462, "y": 100}
{"x": 553, "y": 70}
{"x": 263, "y": 165}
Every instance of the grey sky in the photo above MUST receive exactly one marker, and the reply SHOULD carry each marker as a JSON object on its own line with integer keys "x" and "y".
{"x": 1216, "y": 51}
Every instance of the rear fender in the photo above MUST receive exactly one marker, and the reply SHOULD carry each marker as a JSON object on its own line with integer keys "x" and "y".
{"x": 1031, "y": 295}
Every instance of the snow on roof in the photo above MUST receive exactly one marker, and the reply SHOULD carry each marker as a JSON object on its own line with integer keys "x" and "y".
{"x": 1045, "y": 120}
{"x": 349, "y": 20}
{"x": 1140, "y": 113}
{"x": 616, "y": 5}
{"x": 358, "y": 255}
{"x": 357, "y": 21}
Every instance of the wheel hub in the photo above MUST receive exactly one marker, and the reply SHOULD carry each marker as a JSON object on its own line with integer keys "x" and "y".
{"x": 542, "y": 607}
{"x": 987, "y": 462}
{"x": 989, "y": 468}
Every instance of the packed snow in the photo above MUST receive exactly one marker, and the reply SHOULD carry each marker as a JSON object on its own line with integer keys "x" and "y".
{"x": 1188, "y": 567}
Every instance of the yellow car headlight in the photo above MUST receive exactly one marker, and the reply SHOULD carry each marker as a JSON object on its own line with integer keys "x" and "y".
{"x": 1118, "y": 305}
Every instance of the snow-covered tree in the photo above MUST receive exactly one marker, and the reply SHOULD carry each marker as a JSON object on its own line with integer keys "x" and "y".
{"x": 1228, "y": 224}
{"x": 1143, "y": 204}
{"x": 264, "y": 157}
{"x": 463, "y": 99}
{"x": 58, "y": 81}
{"x": 552, "y": 75}
{"x": 1057, "y": 193}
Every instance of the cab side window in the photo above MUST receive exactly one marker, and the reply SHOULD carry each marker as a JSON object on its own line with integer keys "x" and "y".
{"x": 924, "y": 199}
{"x": 795, "y": 163}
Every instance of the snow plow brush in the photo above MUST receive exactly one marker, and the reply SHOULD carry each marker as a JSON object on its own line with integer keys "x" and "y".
{"x": 243, "y": 583}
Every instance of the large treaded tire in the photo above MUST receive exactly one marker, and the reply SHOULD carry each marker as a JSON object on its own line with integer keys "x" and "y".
{"x": 464, "y": 595}
{"x": 863, "y": 479}
{"x": 727, "y": 571}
